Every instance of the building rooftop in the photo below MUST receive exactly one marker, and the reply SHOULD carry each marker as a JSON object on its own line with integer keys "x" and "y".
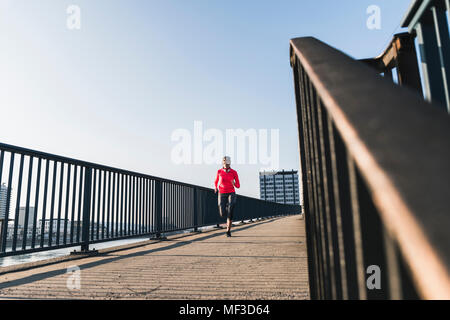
{"x": 274, "y": 172}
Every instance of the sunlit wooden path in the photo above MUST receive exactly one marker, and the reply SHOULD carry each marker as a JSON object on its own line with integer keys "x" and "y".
{"x": 262, "y": 260}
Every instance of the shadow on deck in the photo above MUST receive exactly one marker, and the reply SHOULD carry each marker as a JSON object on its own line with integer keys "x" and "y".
{"x": 262, "y": 260}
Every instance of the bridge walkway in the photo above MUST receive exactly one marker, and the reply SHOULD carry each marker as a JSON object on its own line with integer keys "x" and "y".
{"x": 262, "y": 260}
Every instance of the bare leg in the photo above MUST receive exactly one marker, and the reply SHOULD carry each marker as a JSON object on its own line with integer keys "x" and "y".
{"x": 229, "y": 222}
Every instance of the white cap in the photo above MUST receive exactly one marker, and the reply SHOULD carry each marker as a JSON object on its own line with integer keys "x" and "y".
{"x": 227, "y": 160}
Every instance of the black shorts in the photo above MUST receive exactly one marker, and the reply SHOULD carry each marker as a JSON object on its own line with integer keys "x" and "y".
{"x": 227, "y": 202}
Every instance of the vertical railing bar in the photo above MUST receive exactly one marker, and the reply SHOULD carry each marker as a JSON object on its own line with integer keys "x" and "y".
{"x": 183, "y": 208}
{"x": 136, "y": 205}
{"x": 346, "y": 215}
{"x": 150, "y": 203}
{"x": 146, "y": 205}
{"x": 27, "y": 204}
{"x": 132, "y": 194}
{"x": 187, "y": 208}
{"x": 108, "y": 222}
{"x": 36, "y": 203}
{"x": 8, "y": 197}
{"x": 140, "y": 205}
{"x": 393, "y": 269}
{"x": 66, "y": 216}
{"x": 103, "y": 205}
{"x": 153, "y": 206}
{"x": 80, "y": 198}
{"x": 122, "y": 214}
{"x": 327, "y": 200}
{"x": 167, "y": 199}
{"x": 320, "y": 194}
{"x": 133, "y": 204}
{"x": 175, "y": 203}
{"x": 74, "y": 200}
{"x": 337, "y": 211}
{"x": 195, "y": 207}
{"x": 167, "y": 203}
{"x": 139, "y": 213}
{"x": 161, "y": 199}
{"x": 58, "y": 221}
{"x": 99, "y": 200}
{"x": 92, "y": 217}
{"x": 113, "y": 206}
{"x": 19, "y": 191}
{"x": 179, "y": 203}
{"x": 127, "y": 203}
{"x": 357, "y": 229}
{"x": 128, "y": 199}
{"x": 143, "y": 206}
{"x": 89, "y": 187}
{"x": 177, "y": 216}
{"x": 118, "y": 201}
{"x": 44, "y": 205}
{"x": 172, "y": 204}
{"x": 117, "y": 205}
{"x": 372, "y": 238}
{"x": 2, "y": 156}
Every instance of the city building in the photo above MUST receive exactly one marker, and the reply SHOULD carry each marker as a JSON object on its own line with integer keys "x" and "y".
{"x": 279, "y": 186}
{"x": 4, "y": 200}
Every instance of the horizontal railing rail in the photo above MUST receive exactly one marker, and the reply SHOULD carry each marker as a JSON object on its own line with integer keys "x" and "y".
{"x": 50, "y": 202}
{"x": 376, "y": 180}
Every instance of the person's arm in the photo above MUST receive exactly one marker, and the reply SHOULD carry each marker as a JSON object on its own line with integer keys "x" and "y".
{"x": 215, "y": 182}
{"x": 236, "y": 181}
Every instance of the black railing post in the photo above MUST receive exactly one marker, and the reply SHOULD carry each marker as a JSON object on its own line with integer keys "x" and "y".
{"x": 158, "y": 208}
{"x": 86, "y": 210}
{"x": 407, "y": 67}
{"x": 195, "y": 211}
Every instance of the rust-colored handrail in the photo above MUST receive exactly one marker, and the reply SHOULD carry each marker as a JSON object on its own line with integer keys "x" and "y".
{"x": 376, "y": 180}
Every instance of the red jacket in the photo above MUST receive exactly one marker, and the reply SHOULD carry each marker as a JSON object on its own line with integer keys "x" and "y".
{"x": 227, "y": 180}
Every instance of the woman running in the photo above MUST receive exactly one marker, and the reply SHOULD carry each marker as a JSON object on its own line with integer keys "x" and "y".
{"x": 227, "y": 179}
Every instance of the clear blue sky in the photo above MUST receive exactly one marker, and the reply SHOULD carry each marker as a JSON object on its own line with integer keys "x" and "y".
{"x": 114, "y": 91}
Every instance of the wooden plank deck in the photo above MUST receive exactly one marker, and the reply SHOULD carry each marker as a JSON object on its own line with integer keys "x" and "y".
{"x": 262, "y": 260}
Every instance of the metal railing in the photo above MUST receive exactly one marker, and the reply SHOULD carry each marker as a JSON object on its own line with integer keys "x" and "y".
{"x": 427, "y": 25}
{"x": 428, "y": 20}
{"x": 81, "y": 203}
{"x": 376, "y": 179}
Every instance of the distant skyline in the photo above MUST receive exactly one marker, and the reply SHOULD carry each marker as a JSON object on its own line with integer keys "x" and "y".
{"x": 114, "y": 91}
